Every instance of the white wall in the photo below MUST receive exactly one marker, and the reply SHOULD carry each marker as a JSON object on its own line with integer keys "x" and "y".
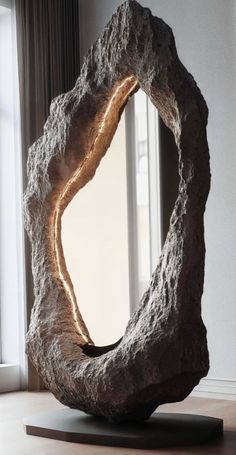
{"x": 205, "y": 35}
{"x": 95, "y": 240}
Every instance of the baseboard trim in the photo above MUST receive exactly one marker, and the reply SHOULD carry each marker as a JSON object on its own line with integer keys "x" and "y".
{"x": 222, "y": 389}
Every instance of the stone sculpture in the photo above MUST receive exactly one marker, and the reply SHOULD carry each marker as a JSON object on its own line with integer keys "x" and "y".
{"x": 163, "y": 353}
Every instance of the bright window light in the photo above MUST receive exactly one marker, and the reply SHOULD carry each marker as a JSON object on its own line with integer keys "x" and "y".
{"x": 12, "y": 306}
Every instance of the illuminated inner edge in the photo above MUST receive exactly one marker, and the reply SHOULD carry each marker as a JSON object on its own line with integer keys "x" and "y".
{"x": 125, "y": 88}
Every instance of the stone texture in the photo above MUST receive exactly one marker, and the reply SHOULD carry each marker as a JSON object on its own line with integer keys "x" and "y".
{"x": 163, "y": 353}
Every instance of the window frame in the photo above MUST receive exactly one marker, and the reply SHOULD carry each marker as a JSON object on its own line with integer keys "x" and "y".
{"x": 154, "y": 189}
{"x": 13, "y": 363}
{"x": 163, "y": 189}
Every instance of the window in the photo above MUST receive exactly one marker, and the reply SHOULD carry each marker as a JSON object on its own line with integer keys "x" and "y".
{"x": 143, "y": 193}
{"x": 142, "y": 190}
{"x": 12, "y": 325}
{"x": 152, "y": 170}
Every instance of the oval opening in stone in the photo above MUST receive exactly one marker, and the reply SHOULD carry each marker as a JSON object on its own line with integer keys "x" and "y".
{"x": 97, "y": 217}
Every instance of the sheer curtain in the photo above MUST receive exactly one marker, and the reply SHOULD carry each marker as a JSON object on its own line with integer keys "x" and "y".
{"x": 49, "y": 64}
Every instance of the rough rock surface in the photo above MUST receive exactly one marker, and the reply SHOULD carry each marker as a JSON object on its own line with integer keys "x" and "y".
{"x": 163, "y": 353}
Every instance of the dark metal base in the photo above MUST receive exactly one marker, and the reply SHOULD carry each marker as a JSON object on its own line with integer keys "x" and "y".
{"x": 160, "y": 430}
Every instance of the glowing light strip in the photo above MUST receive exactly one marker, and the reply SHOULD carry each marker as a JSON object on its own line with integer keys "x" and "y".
{"x": 68, "y": 185}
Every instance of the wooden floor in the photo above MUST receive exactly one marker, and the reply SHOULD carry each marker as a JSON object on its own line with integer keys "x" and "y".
{"x": 15, "y": 406}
